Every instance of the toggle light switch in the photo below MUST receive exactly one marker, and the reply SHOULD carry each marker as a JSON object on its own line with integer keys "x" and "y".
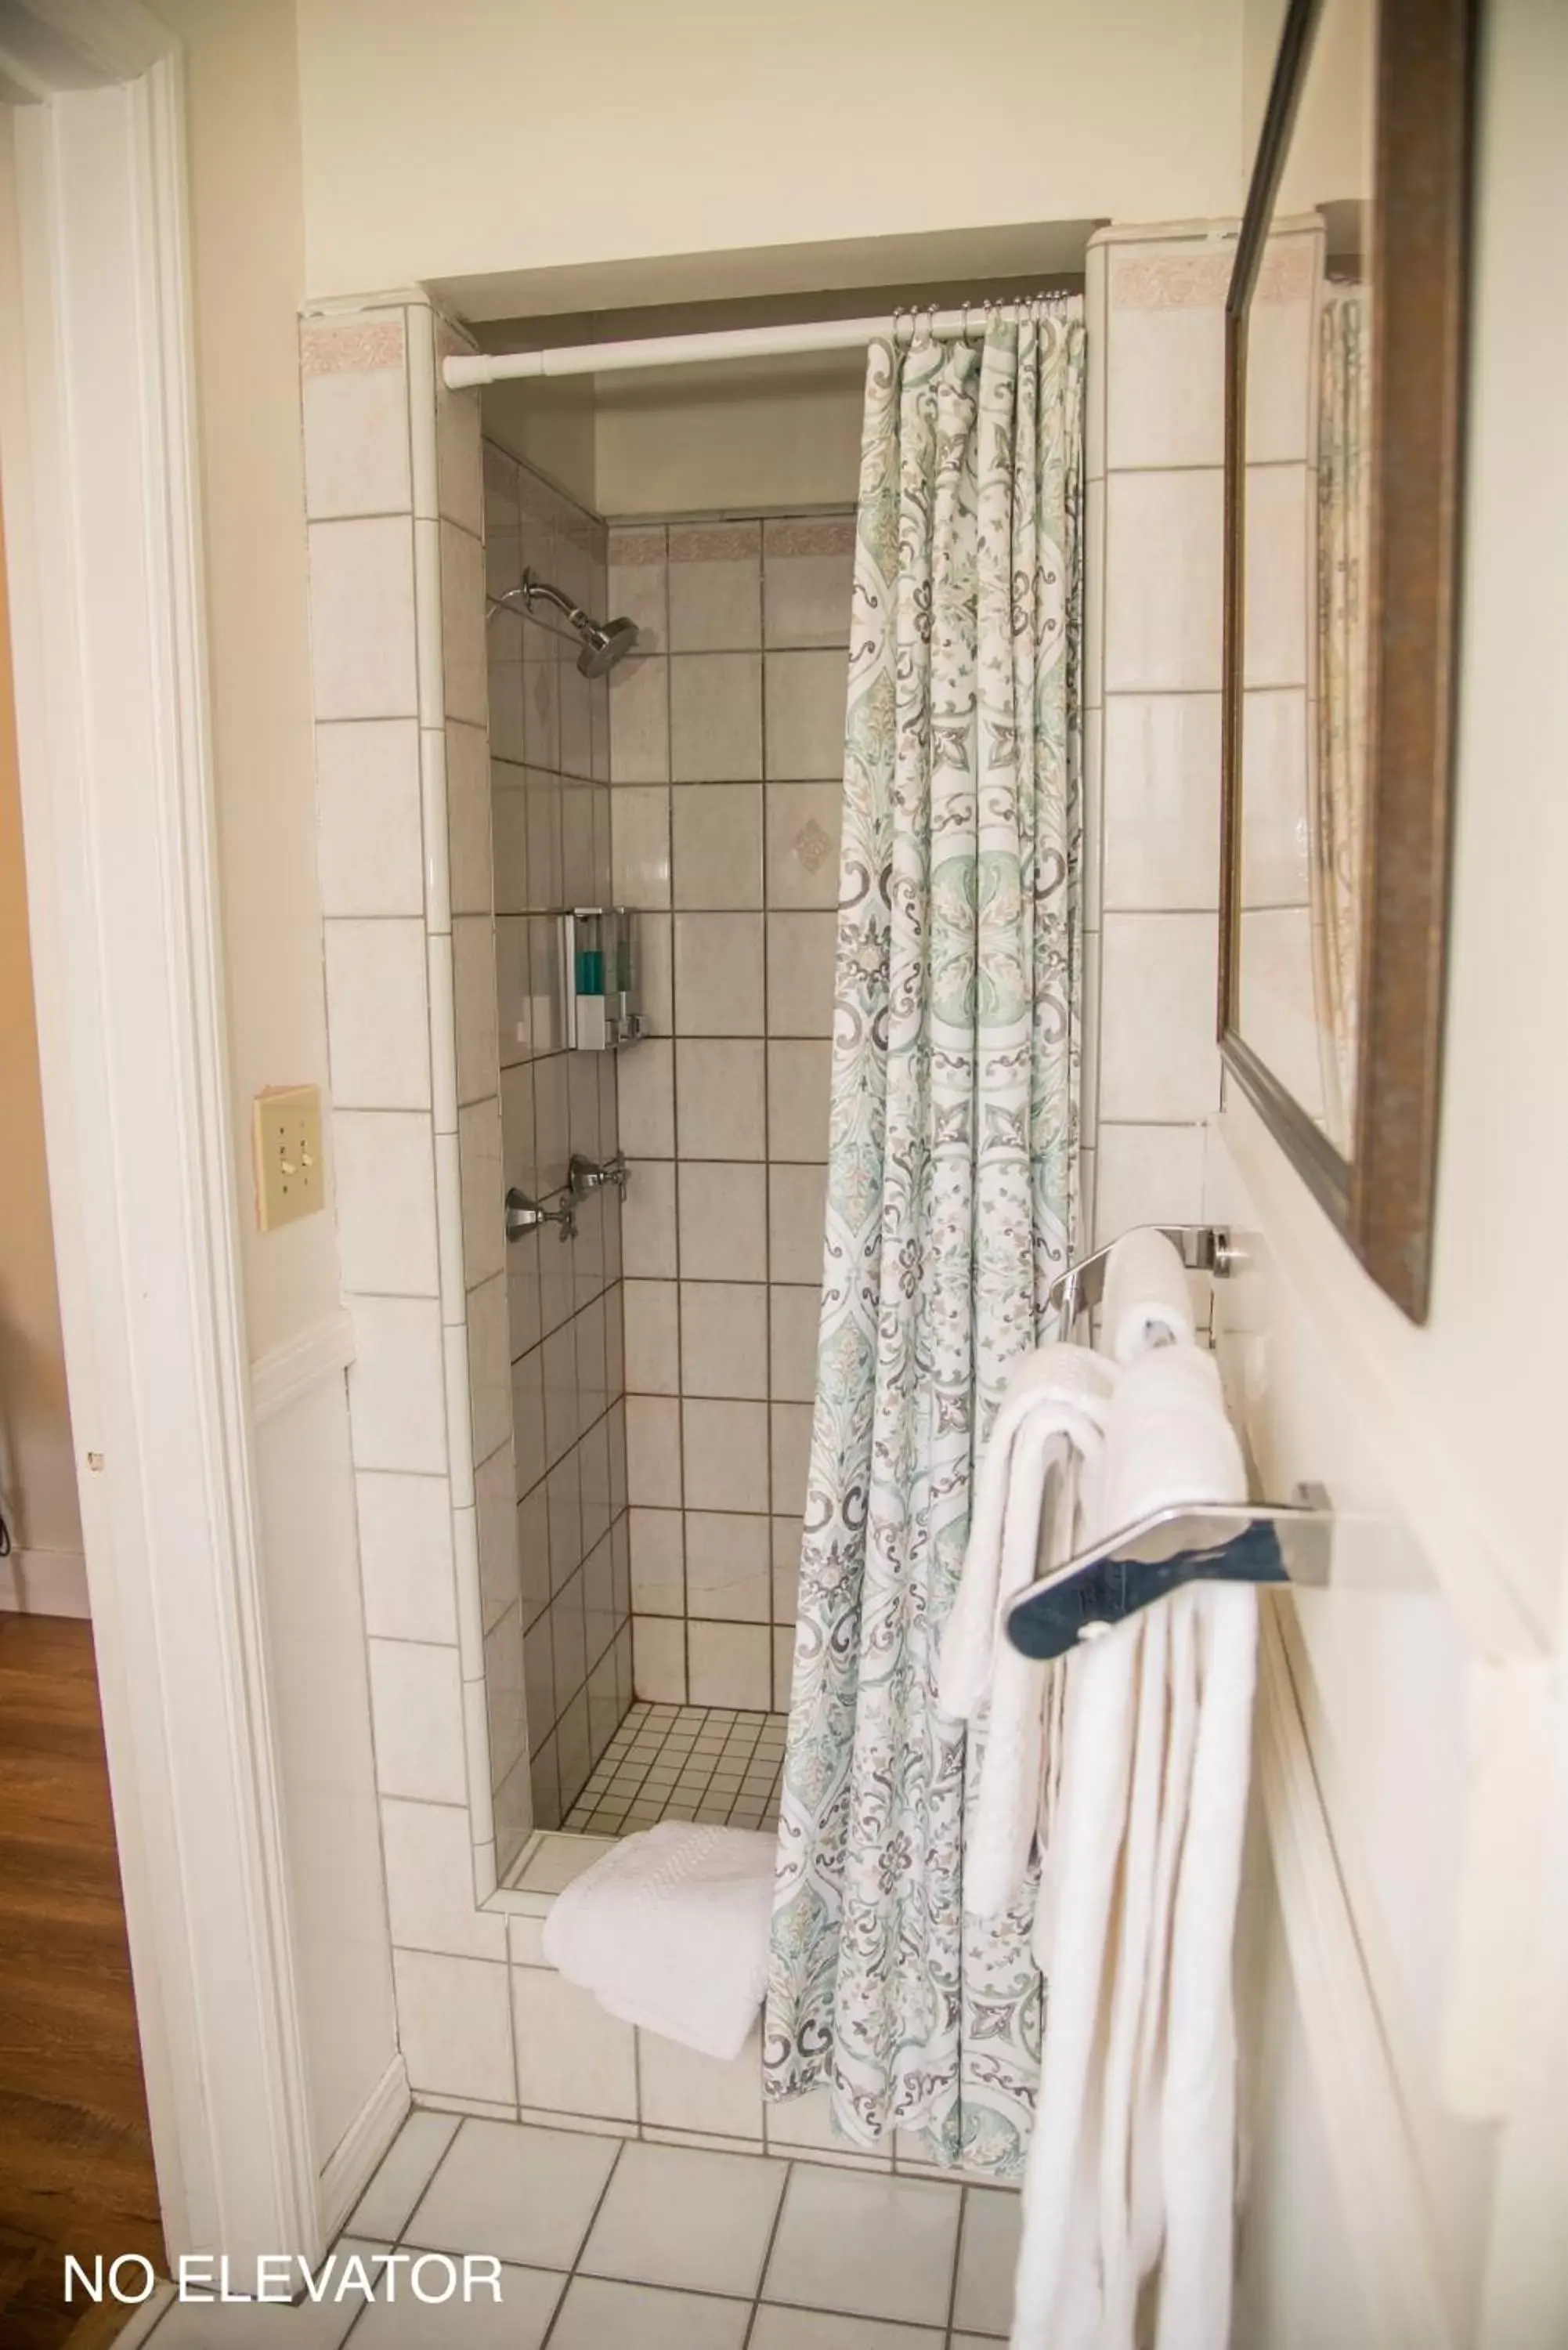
{"x": 286, "y": 1135}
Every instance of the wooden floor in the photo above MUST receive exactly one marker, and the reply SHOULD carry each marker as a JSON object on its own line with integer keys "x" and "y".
{"x": 76, "y": 2162}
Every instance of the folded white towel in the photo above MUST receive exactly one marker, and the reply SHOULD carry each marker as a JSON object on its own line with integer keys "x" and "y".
{"x": 670, "y": 1931}
{"x": 1144, "y": 1302}
{"x": 1167, "y": 1439}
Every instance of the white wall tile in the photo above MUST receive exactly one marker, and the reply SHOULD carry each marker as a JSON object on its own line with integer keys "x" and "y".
{"x": 362, "y": 618}
{"x": 801, "y": 974}
{"x": 716, "y": 845}
{"x": 658, "y": 1571}
{"x": 807, "y": 694}
{"x": 790, "y": 1437}
{"x": 640, "y": 721}
{"x": 652, "y": 1337}
{"x": 429, "y": 1882}
{"x": 720, "y": 1093}
{"x": 384, "y": 1175}
{"x": 715, "y": 718}
{"x": 479, "y": 1152}
{"x": 719, "y": 974}
{"x": 572, "y": 2058}
{"x": 460, "y": 482}
{"x": 376, "y": 1018}
{"x": 728, "y": 1577}
{"x": 639, "y": 845}
{"x": 794, "y": 1314}
{"x": 405, "y": 1556}
{"x": 368, "y": 848}
{"x": 684, "y": 2090}
{"x": 797, "y": 1214}
{"x": 1147, "y": 1175}
{"x": 1164, "y": 546}
{"x": 714, "y": 587}
{"x": 454, "y": 2027}
{"x": 473, "y": 985}
{"x": 1276, "y": 847}
{"x": 468, "y": 807}
{"x": 729, "y": 1664}
{"x": 653, "y": 1450}
{"x": 645, "y": 1083}
{"x": 1161, "y": 801}
{"x": 799, "y": 1094}
{"x": 397, "y": 1398}
{"x": 807, "y": 581}
{"x": 356, "y": 443}
{"x": 1159, "y": 1057}
{"x": 417, "y": 1706}
{"x": 723, "y": 1222}
{"x": 1165, "y": 379}
{"x": 1274, "y": 629}
{"x": 658, "y": 1648}
{"x": 496, "y": 1509}
{"x": 723, "y": 1339}
{"x": 648, "y": 1220}
{"x": 725, "y": 1452}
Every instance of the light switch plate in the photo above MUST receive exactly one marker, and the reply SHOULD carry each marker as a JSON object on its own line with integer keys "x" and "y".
{"x": 286, "y": 1132}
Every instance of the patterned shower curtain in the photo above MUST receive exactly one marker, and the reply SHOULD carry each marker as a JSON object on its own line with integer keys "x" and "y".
{"x": 951, "y": 1204}
{"x": 1339, "y": 777}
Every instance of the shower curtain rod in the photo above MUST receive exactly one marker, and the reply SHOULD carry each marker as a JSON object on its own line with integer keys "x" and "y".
{"x": 735, "y": 343}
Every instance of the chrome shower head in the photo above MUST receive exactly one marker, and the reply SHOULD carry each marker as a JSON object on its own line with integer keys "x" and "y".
{"x": 604, "y": 644}
{"x": 602, "y": 648}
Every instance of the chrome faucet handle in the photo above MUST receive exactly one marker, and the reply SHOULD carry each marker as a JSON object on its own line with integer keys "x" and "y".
{"x": 524, "y": 1215}
{"x": 585, "y": 1175}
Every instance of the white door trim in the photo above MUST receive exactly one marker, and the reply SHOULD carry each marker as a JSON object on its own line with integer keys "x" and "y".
{"x": 98, "y": 453}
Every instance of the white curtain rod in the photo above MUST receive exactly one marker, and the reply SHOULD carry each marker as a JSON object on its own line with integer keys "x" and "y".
{"x": 735, "y": 343}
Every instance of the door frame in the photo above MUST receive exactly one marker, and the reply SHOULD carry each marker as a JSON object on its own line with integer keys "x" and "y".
{"x": 99, "y": 478}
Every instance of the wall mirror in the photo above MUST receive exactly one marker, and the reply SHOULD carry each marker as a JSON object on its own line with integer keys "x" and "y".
{"x": 1345, "y": 356}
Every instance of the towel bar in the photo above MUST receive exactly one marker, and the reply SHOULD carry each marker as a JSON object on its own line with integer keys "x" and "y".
{"x": 1202, "y": 1248}
{"x": 1219, "y": 1542}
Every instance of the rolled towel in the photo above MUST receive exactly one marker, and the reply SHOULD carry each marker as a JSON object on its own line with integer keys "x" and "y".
{"x": 1144, "y": 1302}
{"x": 670, "y": 1931}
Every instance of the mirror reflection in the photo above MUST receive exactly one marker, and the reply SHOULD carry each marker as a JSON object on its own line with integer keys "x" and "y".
{"x": 1305, "y": 530}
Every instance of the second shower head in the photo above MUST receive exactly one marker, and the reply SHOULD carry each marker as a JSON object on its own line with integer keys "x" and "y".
{"x": 604, "y": 642}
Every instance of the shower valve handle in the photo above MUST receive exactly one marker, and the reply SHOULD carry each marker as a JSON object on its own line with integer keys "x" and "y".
{"x": 524, "y": 1215}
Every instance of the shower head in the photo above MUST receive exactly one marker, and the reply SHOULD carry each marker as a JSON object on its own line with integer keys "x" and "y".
{"x": 604, "y": 642}
{"x": 602, "y": 648}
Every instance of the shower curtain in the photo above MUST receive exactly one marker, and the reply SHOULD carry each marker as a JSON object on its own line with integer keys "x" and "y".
{"x": 950, "y": 1204}
{"x": 1339, "y": 795}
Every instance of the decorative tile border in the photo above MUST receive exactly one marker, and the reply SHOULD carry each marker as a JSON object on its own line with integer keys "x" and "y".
{"x": 1200, "y": 281}
{"x": 351, "y": 350}
{"x": 722, "y": 541}
{"x": 834, "y": 536}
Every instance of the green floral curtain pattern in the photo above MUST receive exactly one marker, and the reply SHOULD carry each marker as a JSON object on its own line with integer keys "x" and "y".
{"x": 951, "y": 1197}
{"x": 1339, "y": 793}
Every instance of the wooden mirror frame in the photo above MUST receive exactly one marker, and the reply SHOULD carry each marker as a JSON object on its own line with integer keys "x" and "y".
{"x": 1381, "y": 1195}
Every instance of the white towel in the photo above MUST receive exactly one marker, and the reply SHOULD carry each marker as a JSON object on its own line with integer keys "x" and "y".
{"x": 1144, "y": 1302}
{"x": 1132, "y": 2157}
{"x": 1048, "y": 1427}
{"x": 670, "y": 1931}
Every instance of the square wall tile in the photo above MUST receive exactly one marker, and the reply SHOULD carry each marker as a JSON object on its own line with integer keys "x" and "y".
{"x": 1164, "y": 546}
{"x": 462, "y": 624}
{"x": 720, "y": 1095}
{"x": 658, "y": 1562}
{"x": 1165, "y": 363}
{"x": 397, "y": 1390}
{"x": 1147, "y": 1175}
{"x": 376, "y": 1016}
{"x": 798, "y": 1219}
{"x": 716, "y": 845}
{"x": 1161, "y": 801}
{"x": 786, "y": 1543}
{"x": 1158, "y": 1059}
{"x": 479, "y": 1159}
{"x": 639, "y": 845}
{"x": 728, "y": 1575}
{"x": 714, "y": 587}
{"x": 808, "y": 577}
{"x": 369, "y": 850}
{"x": 658, "y": 1652}
{"x": 356, "y": 441}
{"x": 653, "y": 1451}
{"x": 790, "y": 1436}
{"x": 429, "y": 1882}
{"x": 726, "y": 1458}
{"x": 495, "y": 1513}
{"x": 467, "y": 756}
{"x": 719, "y": 974}
{"x": 800, "y": 1080}
{"x": 801, "y": 974}
{"x": 645, "y": 1087}
{"x": 635, "y": 584}
{"x": 453, "y": 2027}
{"x": 648, "y": 1220}
{"x": 804, "y": 825}
{"x": 723, "y": 1222}
{"x": 676, "y": 2216}
{"x": 723, "y": 1339}
{"x": 729, "y": 1664}
{"x": 384, "y": 1176}
{"x": 715, "y": 718}
{"x": 639, "y": 720}
{"x": 652, "y": 1337}
{"x": 795, "y": 1316}
{"x": 1276, "y": 635}
{"x": 806, "y": 696}
{"x": 474, "y": 996}
{"x": 506, "y": 1714}
{"x": 405, "y": 1556}
{"x": 416, "y": 1703}
{"x": 362, "y": 618}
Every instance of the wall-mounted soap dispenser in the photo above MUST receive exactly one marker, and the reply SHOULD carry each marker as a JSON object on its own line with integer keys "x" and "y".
{"x": 599, "y": 978}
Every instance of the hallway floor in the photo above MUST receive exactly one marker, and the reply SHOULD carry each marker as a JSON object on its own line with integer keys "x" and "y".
{"x": 613, "y": 2244}
{"x": 76, "y": 2160}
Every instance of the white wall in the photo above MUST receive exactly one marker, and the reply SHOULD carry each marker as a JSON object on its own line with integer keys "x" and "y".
{"x": 485, "y": 137}
{"x": 763, "y": 435}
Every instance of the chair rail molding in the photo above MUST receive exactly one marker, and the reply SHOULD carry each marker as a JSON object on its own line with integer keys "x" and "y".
{"x": 97, "y": 455}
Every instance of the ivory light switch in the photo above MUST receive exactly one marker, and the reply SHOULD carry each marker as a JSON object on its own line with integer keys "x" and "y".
{"x": 286, "y": 1132}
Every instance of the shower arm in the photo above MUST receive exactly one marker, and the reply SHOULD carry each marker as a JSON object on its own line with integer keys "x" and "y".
{"x": 541, "y": 591}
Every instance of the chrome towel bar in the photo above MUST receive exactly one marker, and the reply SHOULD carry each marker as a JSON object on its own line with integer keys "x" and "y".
{"x": 1202, "y": 1248}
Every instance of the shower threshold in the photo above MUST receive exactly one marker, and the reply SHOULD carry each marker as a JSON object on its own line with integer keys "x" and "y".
{"x": 711, "y": 1763}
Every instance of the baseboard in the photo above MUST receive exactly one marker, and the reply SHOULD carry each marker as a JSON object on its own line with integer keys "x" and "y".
{"x": 323, "y": 1350}
{"x": 44, "y": 1583}
{"x": 351, "y": 2165}
{"x": 1382, "y": 2196}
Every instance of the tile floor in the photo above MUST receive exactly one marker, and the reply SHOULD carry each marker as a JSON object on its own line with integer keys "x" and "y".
{"x": 610, "y": 2245}
{"x": 684, "y": 1762}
